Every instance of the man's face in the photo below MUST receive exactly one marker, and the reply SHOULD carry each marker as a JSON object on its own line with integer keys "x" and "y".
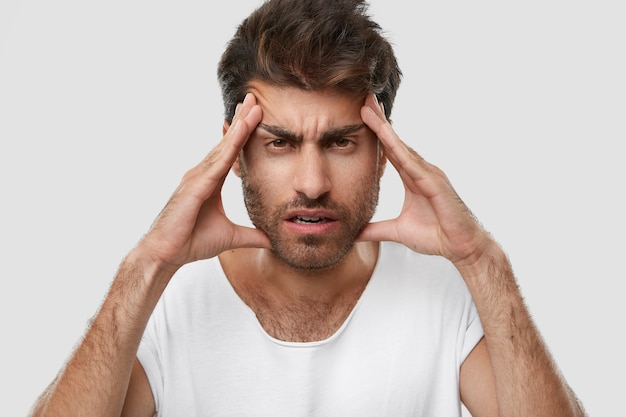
{"x": 310, "y": 174}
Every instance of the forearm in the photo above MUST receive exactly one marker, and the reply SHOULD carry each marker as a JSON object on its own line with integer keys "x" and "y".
{"x": 528, "y": 381}
{"x": 95, "y": 379}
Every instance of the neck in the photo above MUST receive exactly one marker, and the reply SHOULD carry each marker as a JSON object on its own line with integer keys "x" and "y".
{"x": 296, "y": 305}
{"x": 260, "y": 268}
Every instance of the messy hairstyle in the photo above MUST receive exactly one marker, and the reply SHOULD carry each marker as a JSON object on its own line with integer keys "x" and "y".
{"x": 312, "y": 45}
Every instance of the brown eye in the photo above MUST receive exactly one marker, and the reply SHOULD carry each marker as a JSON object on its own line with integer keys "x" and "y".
{"x": 279, "y": 143}
{"x": 342, "y": 143}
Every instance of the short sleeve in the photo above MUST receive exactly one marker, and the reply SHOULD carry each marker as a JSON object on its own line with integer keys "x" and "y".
{"x": 473, "y": 334}
{"x": 148, "y": 356}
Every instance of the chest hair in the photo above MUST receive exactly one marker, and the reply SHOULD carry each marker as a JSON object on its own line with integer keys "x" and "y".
{"x": 301, "y": 319}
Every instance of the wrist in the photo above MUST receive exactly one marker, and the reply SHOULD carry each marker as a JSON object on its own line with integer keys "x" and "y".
{"x": 135, "y": 291}
{"x": 152, "y": 271}
{"x": 484, "y": 263}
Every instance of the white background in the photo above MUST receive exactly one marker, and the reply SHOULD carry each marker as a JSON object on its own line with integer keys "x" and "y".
{"x": 104, "y": 105}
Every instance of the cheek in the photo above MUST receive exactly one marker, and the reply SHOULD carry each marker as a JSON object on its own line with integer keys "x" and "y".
{"x": 356, "y": 171}
{"x": 266, "y": 172}
{"x": 262, "y": 185}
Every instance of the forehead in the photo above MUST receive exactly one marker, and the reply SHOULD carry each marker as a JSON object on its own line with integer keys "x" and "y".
{"x": 293, "y": 107}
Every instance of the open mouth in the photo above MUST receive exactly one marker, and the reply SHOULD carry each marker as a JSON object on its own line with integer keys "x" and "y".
{"x": 309, "y": 220}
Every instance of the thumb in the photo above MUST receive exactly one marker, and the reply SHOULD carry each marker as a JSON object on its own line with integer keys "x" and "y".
{"x": 378, "y": 232}
{"x": 248, "y": 237}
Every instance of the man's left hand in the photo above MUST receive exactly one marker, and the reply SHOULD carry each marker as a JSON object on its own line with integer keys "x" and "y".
{"x": 433, "y": 220}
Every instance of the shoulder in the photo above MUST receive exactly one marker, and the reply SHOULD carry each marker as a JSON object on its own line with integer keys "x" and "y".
{"x": 194, "y": 288}
{"x": 195, "y": 275}
{"x": 423, "y": 293}
{"x": 396, "y": 260}
{"x": 406, "y": 277}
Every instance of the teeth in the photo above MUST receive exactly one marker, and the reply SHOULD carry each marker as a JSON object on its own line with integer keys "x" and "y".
{"x": 301, "y": 219}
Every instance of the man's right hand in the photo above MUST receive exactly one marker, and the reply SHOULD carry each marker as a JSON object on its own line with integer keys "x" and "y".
{"x": 193, "y": 225}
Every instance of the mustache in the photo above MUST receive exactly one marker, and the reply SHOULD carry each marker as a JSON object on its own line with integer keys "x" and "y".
{"x": 302, "y": 201}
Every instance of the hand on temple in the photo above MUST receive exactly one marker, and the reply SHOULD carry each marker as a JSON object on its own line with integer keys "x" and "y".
{"x": 433, "y": 220}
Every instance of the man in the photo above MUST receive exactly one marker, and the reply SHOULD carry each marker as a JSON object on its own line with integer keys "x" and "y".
{"x": 315, "y": 311}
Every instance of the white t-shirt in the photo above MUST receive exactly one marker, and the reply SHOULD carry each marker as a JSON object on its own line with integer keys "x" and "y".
{"x": 398, "y": 353}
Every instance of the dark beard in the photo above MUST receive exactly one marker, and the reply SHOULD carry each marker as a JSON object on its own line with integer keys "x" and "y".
{"x": 312, "y": 252}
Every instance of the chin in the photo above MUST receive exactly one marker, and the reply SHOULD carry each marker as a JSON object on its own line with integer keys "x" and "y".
{"x": 311, "y": 253}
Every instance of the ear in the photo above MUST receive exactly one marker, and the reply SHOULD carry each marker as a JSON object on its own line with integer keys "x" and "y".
{"x": 236, "y": 165}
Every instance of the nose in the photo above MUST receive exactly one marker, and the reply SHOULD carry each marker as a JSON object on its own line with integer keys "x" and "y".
{"x": 311, "y": 173}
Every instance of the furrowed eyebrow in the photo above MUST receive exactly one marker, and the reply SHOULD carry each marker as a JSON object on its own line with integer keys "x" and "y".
{"x": 340, "y": 132}
{"x": 281, "y": 132}
{"x": 326, "y": 137}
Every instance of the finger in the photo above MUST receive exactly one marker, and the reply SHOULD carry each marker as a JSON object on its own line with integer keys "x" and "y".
{"x": 248, "y": 237}
{"x": 410, "y": 165}
{"x": 211, "y": 172}
{"x": 395, "y": 150}
{"x": 247, "y": 117}
{"x": 379, "y": 232}
{"x": 374, "y": 117}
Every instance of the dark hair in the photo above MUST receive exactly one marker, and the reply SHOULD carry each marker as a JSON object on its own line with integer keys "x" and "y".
{"x": 309, "y": 44}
